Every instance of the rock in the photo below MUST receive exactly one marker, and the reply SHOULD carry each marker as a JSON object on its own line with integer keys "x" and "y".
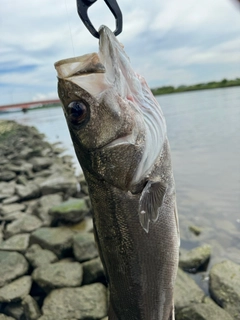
{"x": 195, "y": 258}
{"x": 22, "y": 180}
{"x": 26, "y": 223}
{"x": 12, "y": 216}
{"x": 44, "y": 204}
{"x": 84, "y": 247}
{"x": 65, "y": 182}
{"x": 7, "y": 189}
{"x": 86, "y": 225}
{"x": 32, "y": 206}
{"x": 87, "y": 302}
{"x": 12, "y": 265}
{"x": 16, "y": 290}
{"x": 18, "y": 242}
{"x": 15, "y": 310}
{"x": 41, "y": 163}
{"x": 30, "y": 191}
{"x": 22, "y": 167}
{"x": 224, "y": 286}
{"x": 58, "y": 275}
{"x": 7, "y": 175}
{"x": 83, "y": 185}
{"x": 10, "y": 208}
{"x": 93, "y": 271}
{"x": 40, "y": 257}
{"x": 59, "y": 240}
{"x": 72, "y": 210}
{"x": 186, "y": 291}
{"x": 195, "y": 230}
{"x": 203, "y": 311}
{"x": 4, "y": 317}
{"x": 11, "y": 200}
{"x": 31, "y": 309}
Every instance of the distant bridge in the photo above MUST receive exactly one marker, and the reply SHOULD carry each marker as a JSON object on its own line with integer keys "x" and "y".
{"x": 26, "y": 105}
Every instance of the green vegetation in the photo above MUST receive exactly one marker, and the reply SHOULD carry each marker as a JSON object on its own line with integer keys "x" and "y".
{"x": 200, "y": 86}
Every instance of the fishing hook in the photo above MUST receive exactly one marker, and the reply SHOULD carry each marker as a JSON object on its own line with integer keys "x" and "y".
{"x": 82, "y": 7}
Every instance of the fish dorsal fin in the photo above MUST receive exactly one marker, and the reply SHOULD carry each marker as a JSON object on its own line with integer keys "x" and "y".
{"x": 150, "y": 202}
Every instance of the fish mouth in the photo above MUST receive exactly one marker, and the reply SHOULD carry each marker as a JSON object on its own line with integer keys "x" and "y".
{"x": 97, "y": 72}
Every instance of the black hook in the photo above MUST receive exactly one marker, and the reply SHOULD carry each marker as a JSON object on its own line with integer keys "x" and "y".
{"x": 82, "y": 7}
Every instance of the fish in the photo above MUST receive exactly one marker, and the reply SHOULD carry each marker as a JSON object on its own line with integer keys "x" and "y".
{"x": 119, "y": 134}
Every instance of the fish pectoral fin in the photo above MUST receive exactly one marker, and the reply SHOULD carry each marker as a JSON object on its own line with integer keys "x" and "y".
{"x": 150, "y": 201}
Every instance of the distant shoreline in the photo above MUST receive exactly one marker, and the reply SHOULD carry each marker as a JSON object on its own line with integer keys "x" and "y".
{"x": 156, "y": 92}
{"x": 200, "y": 86}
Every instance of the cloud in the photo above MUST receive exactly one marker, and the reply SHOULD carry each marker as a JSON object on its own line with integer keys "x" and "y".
{"x": 169, "y": 42}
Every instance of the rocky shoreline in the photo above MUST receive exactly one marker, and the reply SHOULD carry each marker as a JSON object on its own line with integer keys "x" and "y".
{"x": 49, "y": 264}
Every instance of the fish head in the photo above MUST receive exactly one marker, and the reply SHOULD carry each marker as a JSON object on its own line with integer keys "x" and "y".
{"x": 110, "y": 112}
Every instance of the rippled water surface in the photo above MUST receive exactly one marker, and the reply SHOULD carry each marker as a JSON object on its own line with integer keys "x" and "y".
{"x": 204, "y": 133}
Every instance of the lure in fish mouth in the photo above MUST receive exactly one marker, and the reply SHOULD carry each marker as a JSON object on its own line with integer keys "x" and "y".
{"x": 119, "y": 135}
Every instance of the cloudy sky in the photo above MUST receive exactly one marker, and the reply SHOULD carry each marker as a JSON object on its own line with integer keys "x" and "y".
{"x": 170, "y": 42}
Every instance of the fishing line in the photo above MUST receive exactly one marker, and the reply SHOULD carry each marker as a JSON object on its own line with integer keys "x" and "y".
{"x": 70, "y": 28}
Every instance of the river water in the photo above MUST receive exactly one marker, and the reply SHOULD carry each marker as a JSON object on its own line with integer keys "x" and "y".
{"x": 204, "y": 133}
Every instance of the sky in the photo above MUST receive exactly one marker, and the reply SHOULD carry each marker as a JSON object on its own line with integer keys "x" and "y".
{"x": 169, "y": 42}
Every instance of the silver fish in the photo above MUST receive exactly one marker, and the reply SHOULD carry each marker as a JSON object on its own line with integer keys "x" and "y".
{"x": 119, "y": 135}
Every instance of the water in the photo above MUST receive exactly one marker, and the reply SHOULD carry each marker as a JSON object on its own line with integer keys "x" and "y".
{"x": 204, "y": 133}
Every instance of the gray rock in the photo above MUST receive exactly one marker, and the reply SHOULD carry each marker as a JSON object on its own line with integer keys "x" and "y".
{"x": 30, "y": 191}
{"x": 83, "y": 185}
{"x": 4, "y": 317}
{"x": 32, "y": 206}
{"x": 7, "y": 189}
{"x": 195, "y": 230}
{"x": 18, "y": 243}
{"x": 12, "y": 216}
{"x": 93, "y": 271}
{"x": 84, "y": 247}
{"x": 12, "y": 265}
{"x": 203, "y": 311}
{"x": 40, "y": 257}
{"x": 59, "y": 240}
{"x": 41, "y": 163}
{"x": 22, "y": 167}
{"x": 11, "y": 200}
{"x": 31, "y": 309}
{"x": 16, "y": 290}
{"x": 22, "y": 179}
{"x": 65, "y": 182}
{"x": 58, "y": 275}
{"x": 7, "y": 175}
{"x": 87, "y": 302}
{"x": 86, "y": 225}
{"x": 26, "y": 223}
{"x": 195, "y": 258}
{"x": 186, "y": 291}
{"x": 10, "y": 208}
{"x": 224, "y": 286}
{"x": 44, "y": 204}
{"x": 72, "y": 210}
{"x": 15, "y": 310}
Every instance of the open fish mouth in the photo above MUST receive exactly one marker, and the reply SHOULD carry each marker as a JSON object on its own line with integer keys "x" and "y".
{"x": 108, "y": 75}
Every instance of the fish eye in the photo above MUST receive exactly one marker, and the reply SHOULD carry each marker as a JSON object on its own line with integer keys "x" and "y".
{"x": 78, "y": 112}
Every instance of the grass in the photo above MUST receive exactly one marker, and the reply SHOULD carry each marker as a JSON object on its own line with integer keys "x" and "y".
{"x": 200, "y": 86}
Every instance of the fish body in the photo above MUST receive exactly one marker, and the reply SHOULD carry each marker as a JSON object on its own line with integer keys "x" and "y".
{"x": 119, "y": 135}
